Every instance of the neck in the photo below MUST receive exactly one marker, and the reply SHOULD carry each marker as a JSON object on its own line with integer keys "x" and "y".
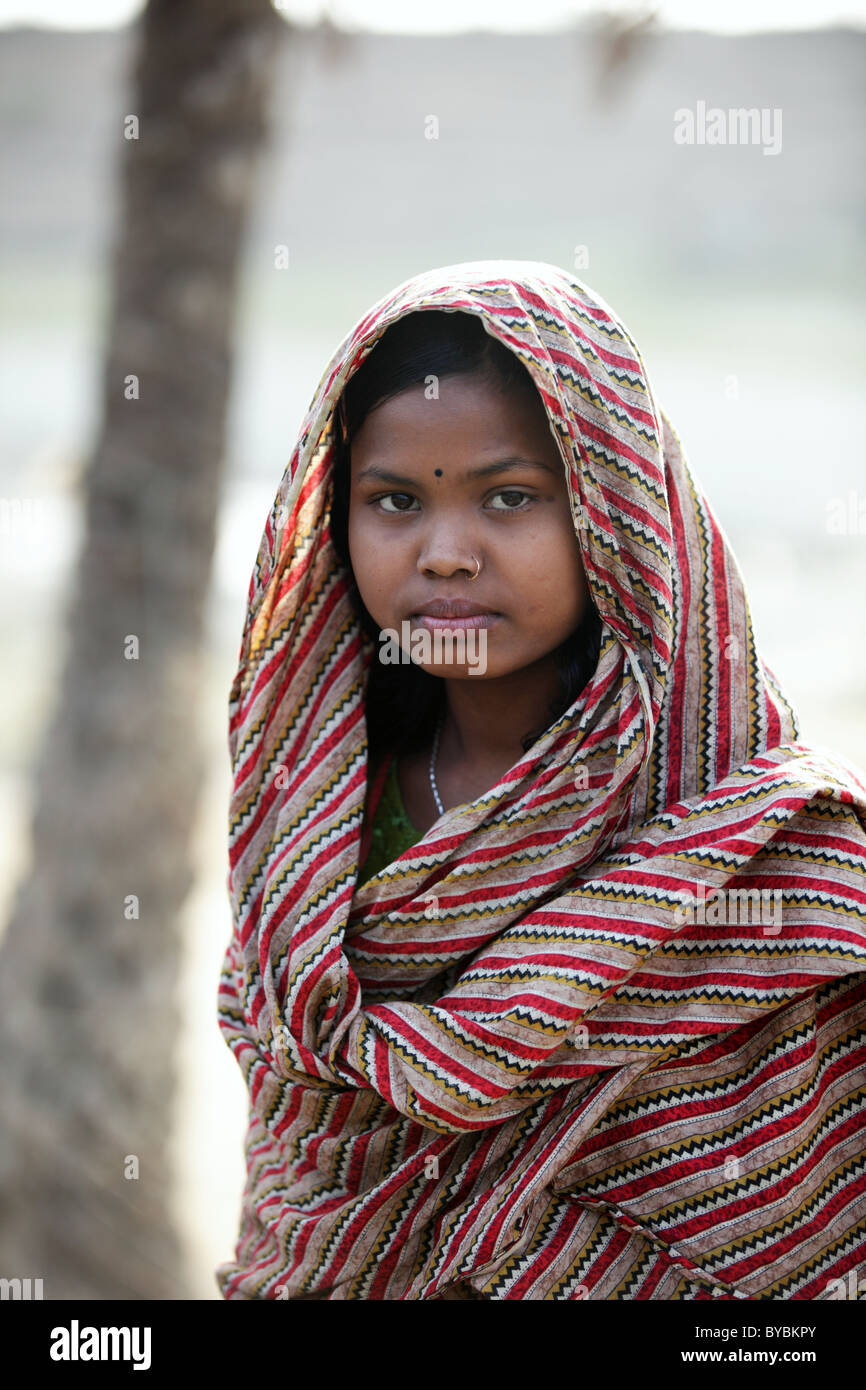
{"x": 486, "y": 720}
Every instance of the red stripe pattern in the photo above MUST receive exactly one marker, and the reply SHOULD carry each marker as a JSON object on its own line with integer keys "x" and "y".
{"x": 601, "y": 1033}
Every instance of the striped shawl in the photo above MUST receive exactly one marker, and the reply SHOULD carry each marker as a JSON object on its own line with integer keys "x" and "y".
{"x": 555, "y": 1051}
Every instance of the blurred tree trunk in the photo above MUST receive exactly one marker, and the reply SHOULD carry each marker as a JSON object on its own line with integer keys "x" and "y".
{"x": 88, "y": 1010}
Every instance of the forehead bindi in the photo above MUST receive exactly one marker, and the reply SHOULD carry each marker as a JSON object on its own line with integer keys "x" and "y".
{"x": 403, "y": 440}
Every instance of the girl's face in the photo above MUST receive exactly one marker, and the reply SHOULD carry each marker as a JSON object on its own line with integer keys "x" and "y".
{"x": 436, "y": 486}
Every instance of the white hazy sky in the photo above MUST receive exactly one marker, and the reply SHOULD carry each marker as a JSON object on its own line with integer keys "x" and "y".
{"x": 724, "y": 16}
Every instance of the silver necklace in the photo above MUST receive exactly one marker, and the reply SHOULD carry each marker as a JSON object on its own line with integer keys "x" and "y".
{"x": 439, "y": 807}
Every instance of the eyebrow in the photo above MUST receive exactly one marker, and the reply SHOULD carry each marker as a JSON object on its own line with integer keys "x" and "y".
{"x": 485, "y": 470}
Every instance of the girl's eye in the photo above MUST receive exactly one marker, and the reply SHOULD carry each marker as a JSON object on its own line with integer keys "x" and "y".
{"x": 511, "y": 492}
{"x": 504, "y": 492}
{"x": 389, "y": 495}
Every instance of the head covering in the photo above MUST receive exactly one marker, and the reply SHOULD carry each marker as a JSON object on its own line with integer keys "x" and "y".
{"x": 561, "y": 1048}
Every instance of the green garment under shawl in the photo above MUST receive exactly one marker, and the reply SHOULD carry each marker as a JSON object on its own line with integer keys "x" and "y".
{"x": 393, "y": 833}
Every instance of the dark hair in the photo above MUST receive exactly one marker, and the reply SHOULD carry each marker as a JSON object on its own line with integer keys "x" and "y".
{"x": 403, "y": 702}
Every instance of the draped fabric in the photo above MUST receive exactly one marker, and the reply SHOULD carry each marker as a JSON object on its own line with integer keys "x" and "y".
{"x": 601, "y": 1033}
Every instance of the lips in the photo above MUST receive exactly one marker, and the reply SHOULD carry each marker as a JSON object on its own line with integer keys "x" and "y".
{"x": 442, "y": 614}
{"x": 454, "y": 608}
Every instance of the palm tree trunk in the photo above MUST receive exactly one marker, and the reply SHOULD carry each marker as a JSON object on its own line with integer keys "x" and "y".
{"x": 88, "y": 1011}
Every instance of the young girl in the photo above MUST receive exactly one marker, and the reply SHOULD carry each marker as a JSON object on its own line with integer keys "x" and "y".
{"x": 547, "y": 971}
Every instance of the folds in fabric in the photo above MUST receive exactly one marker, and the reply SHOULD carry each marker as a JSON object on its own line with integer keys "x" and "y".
{"x": 598, "y": 1067}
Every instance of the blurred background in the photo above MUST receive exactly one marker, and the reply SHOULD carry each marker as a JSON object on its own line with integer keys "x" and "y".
{"x": 199, "y": 201}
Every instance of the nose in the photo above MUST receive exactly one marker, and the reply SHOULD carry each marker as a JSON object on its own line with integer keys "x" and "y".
{"x": 446, "y": 562}
{"x": 448, "y": 542}
{"x": 446, "y": 546}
